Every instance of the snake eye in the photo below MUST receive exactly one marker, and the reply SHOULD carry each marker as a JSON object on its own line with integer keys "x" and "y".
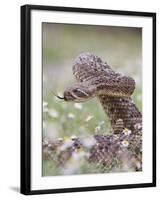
{"x": 80, "y": 93}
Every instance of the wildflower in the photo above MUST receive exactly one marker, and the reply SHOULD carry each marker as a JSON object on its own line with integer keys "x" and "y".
{"x": 78, "y": 106}
{"x": 88, "y": 118}
{"x": 53, "y": 113}
{"x": 98, "y": 128}
{"x": 45, "y": 104}
{"x": 45, "y": 108}
{"x": 125, "y": 143}
{"x": 126, "y": 131}
{"x": 73, "y": 137}
{"x": 71, "y": 116}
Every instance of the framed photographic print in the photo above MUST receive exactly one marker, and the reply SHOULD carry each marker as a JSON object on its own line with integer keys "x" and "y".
{"x": 88, "y": 99}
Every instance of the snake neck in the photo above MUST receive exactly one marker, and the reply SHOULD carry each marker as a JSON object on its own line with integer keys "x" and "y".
{"x": 121, "y": 108}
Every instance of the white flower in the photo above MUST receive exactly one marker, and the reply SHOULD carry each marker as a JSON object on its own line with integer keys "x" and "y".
{"x": 73, "y": 137}
{"x": 45, "y": 104}
{"x": 126, "y": 131}
{"x": 53, "y": 113}
{"x": 78, "y": 106}
{"x": 71, "y": 116}
{"x": 45, "y": 108}
{"x": 125, "y": 143}
{"x": 88, "y": 118}
{"x": 98, "y": 128}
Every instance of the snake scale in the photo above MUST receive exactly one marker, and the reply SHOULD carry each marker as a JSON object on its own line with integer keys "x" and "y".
{"x": 95, "y": 78}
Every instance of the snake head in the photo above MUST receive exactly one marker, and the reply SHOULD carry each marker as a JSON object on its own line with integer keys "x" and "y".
{"x": 90, "y": 68}
{"x": 79, "y": 93}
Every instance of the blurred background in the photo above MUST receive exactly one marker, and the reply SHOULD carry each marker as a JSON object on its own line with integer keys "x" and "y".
{"x": 120, "y": 47}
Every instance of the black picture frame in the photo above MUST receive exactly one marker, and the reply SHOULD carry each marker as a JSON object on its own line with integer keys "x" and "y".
{"x": 26, "y": 98}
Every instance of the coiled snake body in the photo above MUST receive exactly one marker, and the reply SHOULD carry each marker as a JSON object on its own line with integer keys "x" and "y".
{"x": 96, "y": 79}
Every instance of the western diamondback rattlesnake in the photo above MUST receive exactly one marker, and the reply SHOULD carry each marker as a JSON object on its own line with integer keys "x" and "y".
{"x": 95, "y": 78}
